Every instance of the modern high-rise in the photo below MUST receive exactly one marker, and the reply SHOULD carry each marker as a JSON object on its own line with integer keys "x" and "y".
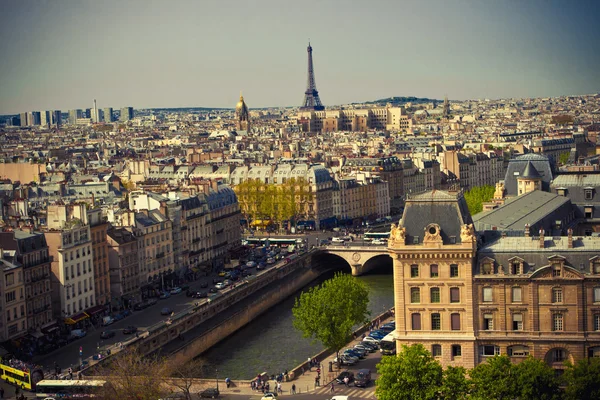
{"x": 45, "y": 118}
{"x": 34, "y": 118}
{"x": 56, "y": 118}
{"x": 95, "y": 116}
{"x": 108, "y": 114}
{"x": 23, "y": 117}
{"x": 74, "y": 115}
{"x": 126, "y": 114}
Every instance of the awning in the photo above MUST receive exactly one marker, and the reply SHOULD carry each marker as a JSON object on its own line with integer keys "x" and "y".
{"x": 76, "y": 318}
{"x": 95, "y": 310}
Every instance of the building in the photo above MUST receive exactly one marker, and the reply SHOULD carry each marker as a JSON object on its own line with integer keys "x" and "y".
{"x": 70, "y": 247}
{"x": 126, "y": 114}
{"x": 583, "y": 189}
{"x": 433, "y": 249}
{"x": 45, "y": 119}
{"x": 242, "y": 117}
{"x": 75, "y": 115}
{"x": 12, "y": 284}
{"x": 354, "y": 120}
{"x": 356, "y": 199}
{"x": 29, "y": 250}
{"x": 517, "y": 166}
{"x": 123, "y": 259}
{"x": 23, "y": 118}
{"x": 108, "y": 115}
{"x": 56, "y": 118}
{"x": 34, "y": 118}
{"x": 98, "y": 229}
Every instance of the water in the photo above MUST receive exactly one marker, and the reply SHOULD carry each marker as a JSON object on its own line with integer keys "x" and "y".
{"x": 271, "y": 344}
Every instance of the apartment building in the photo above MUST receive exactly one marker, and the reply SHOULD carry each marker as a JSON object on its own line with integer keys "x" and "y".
{"x": 123, "y": 260}
{"x": 98, "y": 229}
{"x": 14, "y": 316}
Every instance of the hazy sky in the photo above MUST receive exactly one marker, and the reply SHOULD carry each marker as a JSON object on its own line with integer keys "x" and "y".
{"x": 61, "y": 54}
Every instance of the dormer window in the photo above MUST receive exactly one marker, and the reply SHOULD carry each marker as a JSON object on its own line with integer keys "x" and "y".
{"x": 515, "y": 268}
{"x": 556, "y": 270}
{"x": 562, "y": 192}
{"x": 487, "y": 266}
{"x": 588, "y": 193}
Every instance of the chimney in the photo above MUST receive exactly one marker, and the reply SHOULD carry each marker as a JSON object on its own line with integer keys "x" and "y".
{"x": 570, "y": 238}
{"x": 526, "y": 230}
{"x": 542, "y": 241}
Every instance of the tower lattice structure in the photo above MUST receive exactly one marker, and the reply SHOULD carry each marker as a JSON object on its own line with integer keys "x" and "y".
{"x": 311, "y": 96}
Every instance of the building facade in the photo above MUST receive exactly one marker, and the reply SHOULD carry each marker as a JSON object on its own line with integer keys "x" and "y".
{"x": 123, "y": 261}
{"x": 98, "y": 229}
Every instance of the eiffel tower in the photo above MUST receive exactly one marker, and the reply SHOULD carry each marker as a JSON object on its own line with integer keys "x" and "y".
{"x": 311, "y": 96}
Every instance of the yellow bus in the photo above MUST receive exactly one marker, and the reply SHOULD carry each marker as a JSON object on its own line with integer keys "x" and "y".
{"x": 69, "y": 389}
{"x": 24, "y": 379}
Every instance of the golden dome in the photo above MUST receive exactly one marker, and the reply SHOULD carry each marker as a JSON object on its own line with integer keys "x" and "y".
{"x": 241, "y": 105}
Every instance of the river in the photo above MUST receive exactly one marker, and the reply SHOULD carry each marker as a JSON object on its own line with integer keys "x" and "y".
{"x": 271, "y": 344}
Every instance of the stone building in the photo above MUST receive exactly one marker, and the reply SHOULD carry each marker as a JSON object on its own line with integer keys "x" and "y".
{"x": 98, "y": 228}
{"x": 125, "y": 279}
{"x": 516, "y": 295}
{"x": 242, "y": 116}
{"x": 14, "y": 317}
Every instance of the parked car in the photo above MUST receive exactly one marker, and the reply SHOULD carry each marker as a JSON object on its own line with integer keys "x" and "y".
{"x": 212, "y": 290}
{"x": 363, "y": 378}
{"x": 251, "y": 264}
{"x": 165, "y": 295}
{"x": 269, "y": 396}
{"x": 176, "y": 290}
{"x": 151, "y": 302}
{"x": 140, "y": 306}
{"x": 107, "y": 321}
{"x": 212, "y": 393}
{"x": 260, "y": 266}
{"x": 370, "y": 339}
{"x": 343, "y": 374}
{"x": 129, "y": 330}
{"x": 166, "y": 311}
{"x": 220, "y": 286}
{"x": 346, "y": 360}
{"x": 270, "y": 260}
{"x": 78, "y": 333}
{"x": 201, "y": 295}
{"x": 107, "y": 334}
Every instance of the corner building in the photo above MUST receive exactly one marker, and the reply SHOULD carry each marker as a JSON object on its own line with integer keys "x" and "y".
{"x": 432, "y": 251}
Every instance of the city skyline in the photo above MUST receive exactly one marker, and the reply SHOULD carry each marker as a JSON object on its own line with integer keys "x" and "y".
{"x": 63, "y": 54}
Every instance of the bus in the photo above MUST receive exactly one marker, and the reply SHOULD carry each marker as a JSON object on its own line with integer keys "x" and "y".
{"x": 387, "y": 346}
{"x": 281, "y": 242}
{"x": 376, "y": 235}
{"x": 69, "y": 389}
{"x": 23, "y": 378}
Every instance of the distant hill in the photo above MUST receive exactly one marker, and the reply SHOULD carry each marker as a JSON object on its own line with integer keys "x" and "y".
{"x": 402, "y": 100}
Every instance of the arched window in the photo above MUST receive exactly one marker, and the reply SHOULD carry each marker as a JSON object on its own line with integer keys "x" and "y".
{"x": 435, "y": 294}
{"x": 415, "y": 295}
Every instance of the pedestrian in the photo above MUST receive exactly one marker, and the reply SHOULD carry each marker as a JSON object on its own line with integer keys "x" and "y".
{"x": 316, "y": 381}
{"x": 228, "y": 382}
{"x": 332, "y": 388}
{"x": 279, "y": 390}
{"x": 1, "y": 393}
{"x": 346, "y": 380}
{"x": 293, "y": 388}
{"x": 309, "y": 364}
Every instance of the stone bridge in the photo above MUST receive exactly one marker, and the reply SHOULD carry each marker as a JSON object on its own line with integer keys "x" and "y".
{"x": 359, "y": 258}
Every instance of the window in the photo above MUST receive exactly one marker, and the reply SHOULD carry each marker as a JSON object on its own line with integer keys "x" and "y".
{"x": 414, "y": 271}
{"x": 488, "y": 322}
{"x": 517, "y": 322}
{"x": 434, "y": 270}
{"x": 487, "y": 294}
{"x": 435, "y": 294}
{"x": 557, "y": 322}
{"x": 10, "y": 279}
{"x": 588, "y": 194}
{"x": 597, "y": 322}
{"x": 588, "y": 212}
{"x": 453, "y": 271}
{"x": 456, "y": 350}
{"x": 489, "y": 350}
{"x": 518, "y": 351}
{"x": 486, "y": 268}
{"x": 454, "y": 295}
{"x": 596, "y": 294}
{"x": 455, "y": 321}
{"x": 436, "y": 350}
{"x": 416, "y": 322}
{"x": 516, "y": 295}
{"x": 10, "y": 296}
{"x": 436, "y": 322}
{"x": 557, "y": 295}
{"x": 515, "y": 268}
{"x": 556, "y": 270}
{"x": 558, "y": 355}
{"x": 415, "y": 295}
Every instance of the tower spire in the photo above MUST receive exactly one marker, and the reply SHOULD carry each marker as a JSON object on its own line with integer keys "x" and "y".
{"x": 311, "y": 95}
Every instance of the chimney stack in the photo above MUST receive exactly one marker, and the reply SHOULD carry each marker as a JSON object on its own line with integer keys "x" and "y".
{"x": 542, "y": 241}
{"x": 570, "y": 238}
{"x": 526, "y": 230}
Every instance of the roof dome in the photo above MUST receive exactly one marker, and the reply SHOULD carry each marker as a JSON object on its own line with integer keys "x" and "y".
{"x": 241, "y": 106}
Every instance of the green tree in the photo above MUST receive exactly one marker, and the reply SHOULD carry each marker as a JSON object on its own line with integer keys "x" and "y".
{"x": 535, "y": 380}
{"x": 328, "y": 312}
{"x": 455, "y": 384}
{"x": 563, "y": 158}
{"x": 583, "y": 379}
{"x": 494, "y": 380}
{"x": 477, "y": 196}
{"x": 412, "y": 375}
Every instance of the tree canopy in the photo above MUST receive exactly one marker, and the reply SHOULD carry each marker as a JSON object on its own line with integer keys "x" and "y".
{"x": 411, "y": 375}
{"x": 583, "y": 379}
{"x": 328, "y": 312}
{"x": 477, "y": 196}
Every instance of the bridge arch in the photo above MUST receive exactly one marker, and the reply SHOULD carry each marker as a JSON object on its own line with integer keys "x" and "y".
{"x": 328, "y": 261}
{"x": 358, "y": 257}
{"x": 379, "y": 263}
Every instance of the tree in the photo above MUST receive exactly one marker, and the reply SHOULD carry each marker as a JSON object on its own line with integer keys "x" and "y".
{"x": 477, "y": 196}
{"x": 412, "y": 375}
{"x": 494, "y": 380}
{"x": 328, "y": 312}
{"x": 563, "y": 158}
{"x": 455, "y": 384}
{"x": 583, "y": 379}
{"x": 535, "y": 380}
{"x": 133, "y": 377}
{"x": 185, "y": 375}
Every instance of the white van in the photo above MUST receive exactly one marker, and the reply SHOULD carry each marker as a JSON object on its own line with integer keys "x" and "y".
{"x": 337, "y": 240}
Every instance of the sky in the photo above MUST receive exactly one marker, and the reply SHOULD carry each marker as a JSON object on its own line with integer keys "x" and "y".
{"x": 63, "y": 54}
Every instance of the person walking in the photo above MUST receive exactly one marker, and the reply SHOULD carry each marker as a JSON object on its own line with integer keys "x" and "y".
{"x": 332, "y": 388}
{"x": 293, "y": 388}
{"x": 346, "y": 380}
{"x": 279, "y": 389}
{"x": 1, "y": 393}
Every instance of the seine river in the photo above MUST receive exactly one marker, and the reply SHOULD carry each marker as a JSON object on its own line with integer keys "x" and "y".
{"x": 271, "y": 344}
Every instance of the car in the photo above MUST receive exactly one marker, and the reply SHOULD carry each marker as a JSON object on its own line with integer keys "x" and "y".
{"x": 346, "y": 360}
{"x": 354, "y": 353}
{"x": 246, "y": 273}
{"x": 337, "y": 240}
{"x": 363, "y": 378}
{"x": 260, "y": 266}
{"x": 130, "y": 330}
{"x": 387, "y": 329}
{"x": 269, "y": 396}
{"x": 220, "y": 286}
{"x": 270, "y": 260}
{"x": 107, "y": 334}
{"x": 212, "y": 290}
{"x": 378, "y": 242}
{"x": 221, "y": 274}
{"x": 343, "y": 374}
{"x": 151, "y": 302}
{"x": 251, "y": 264}
{"x": 211, "y": 393}
{"x": 227, "y": 282}
{"x": 176, "y": 290}
{"x": 368, "y": 345}
{"x": 165, "y": 295}
{"x": 78, "y": 333}
{"x": 364, "y": 348}
{"x": 201, "y": 295}
{"x": 370, "y": 339}
{"x": 166, "y": 311}
{"x": 140, "y": 306}
{"x": 185, "y": 287}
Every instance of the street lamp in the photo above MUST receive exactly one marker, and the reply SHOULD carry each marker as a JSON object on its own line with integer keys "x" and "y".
{"x": 217, "y": 377}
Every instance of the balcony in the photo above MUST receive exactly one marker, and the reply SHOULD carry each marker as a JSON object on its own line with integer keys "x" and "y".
{"x": 160, "y": 255}
{"x": 38, "y": 278}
